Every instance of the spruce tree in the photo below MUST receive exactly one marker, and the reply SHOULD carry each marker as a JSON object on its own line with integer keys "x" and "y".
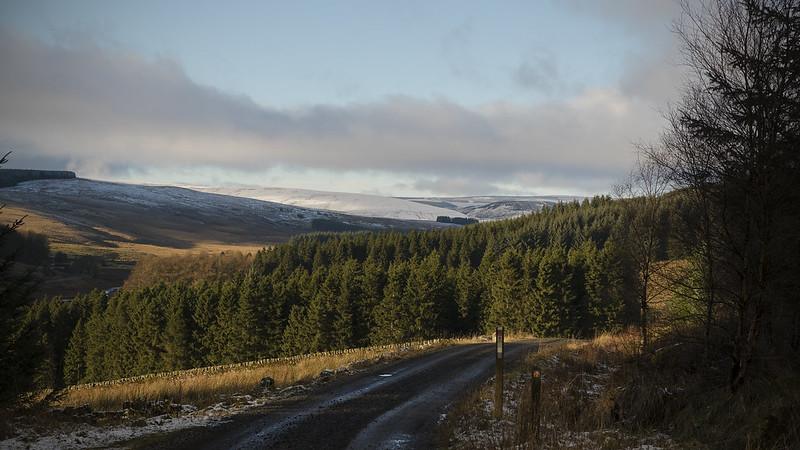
{"x": 350, "y": 292}
{"x": 425, "y": 296}
{"x": 177, "y": 332}
{"x": 373, "y": 283}
{"x": 75, "y": 357}
{"x": 468, "y": 295}
{"x": 554, "y": 296}
{"x": 505, "y": 293}
{"x": 605, "y": 287}
{"x": 250, "y": 338}
{"x": 391, "y": 317}
{"x": 297, "y": 336}
{"x": 203, "y": 316}
{"x": 223, "y": 331}
{"x": 96, "y": 339}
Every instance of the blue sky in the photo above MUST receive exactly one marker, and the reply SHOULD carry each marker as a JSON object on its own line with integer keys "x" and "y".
{"x": 400, "y": 98}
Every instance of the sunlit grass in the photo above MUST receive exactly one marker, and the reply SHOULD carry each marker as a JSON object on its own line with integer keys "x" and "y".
{"x": 203, "y": 387}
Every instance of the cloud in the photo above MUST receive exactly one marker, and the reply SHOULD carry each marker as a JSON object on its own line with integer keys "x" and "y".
{"x": 539, "y": 72}
{"x": 635, "y": 15}
{"x": 109, "y": 108}
{"x": 456, "y": 52}
{"x": 455, "y": 185}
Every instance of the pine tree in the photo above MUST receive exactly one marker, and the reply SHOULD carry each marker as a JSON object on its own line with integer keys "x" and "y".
{"x": 554, "y": 295}
{"x": 425, "y": 296}
{"x": 75, "y": 357}
{"x": 250, "y": 337}
{"x": 468, "y": 295}
{"x": 320, "y": 317}
{"x": 177, "y": 331}
{"x": 204, "y": 315}
{"x": 506, "y": 294}
{"x": 373, "y": 284}
{"x": 391, "y": 317}
{"x": 344, "y": 330}
{"x": 121, "y": 331}
{"x": 96, "y": 339}
{"x": 581, "y": 319}
{"x": 223, "y": 331}
{"x": 605, "y": 287}
{"x": 297, "y": 336}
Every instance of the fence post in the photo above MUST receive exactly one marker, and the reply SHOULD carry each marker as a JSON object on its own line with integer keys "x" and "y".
{"x": 498, "y": 373}
{"x": 536, "y": 401}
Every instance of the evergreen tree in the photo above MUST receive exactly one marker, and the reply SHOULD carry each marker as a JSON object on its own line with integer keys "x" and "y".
{"x": 373, "y": 284}
{"x": 344, "y": 330}
{"x": 75, "y": 357}
{"x": 204, "y": 316}
{"x": 392, "y": 318}
{"x": 505, "y": 293}
{"x": 297, "y": 336}
{"x": 249, "y": 342}
{"x": 468, "y": 297}
{"x": 582, "y": 321}
{"x": 223, "y": 331}
{"x": 425, "y": 297}
{"x": 554, "y": 296}
{"x": 96, "y": 339}
{"x": 605, "y": 287}
{"x": 177, "y": 331}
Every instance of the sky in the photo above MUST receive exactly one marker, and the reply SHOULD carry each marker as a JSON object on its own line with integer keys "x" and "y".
{"x": 401, "y": 98}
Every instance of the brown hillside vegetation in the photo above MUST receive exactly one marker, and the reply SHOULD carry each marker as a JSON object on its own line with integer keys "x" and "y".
{"x": 600, "y": 395}
{"x": 188, "y": 268}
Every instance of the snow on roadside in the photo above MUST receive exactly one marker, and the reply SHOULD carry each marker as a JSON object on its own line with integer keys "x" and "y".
{"x": 78, "y": 436}
{"x": 71, "y": 435}
{"x": 478, "y": 428}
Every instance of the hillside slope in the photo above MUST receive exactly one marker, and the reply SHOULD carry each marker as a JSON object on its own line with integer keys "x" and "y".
{"x": 403, "y": 208}
{"x": 348, "y": 203}
{"x": 116, "y": 215}
{"x": 495, "y": 207}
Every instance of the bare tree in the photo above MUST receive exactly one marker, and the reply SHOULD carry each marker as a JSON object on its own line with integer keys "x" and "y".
{"x": 643, "y": 194}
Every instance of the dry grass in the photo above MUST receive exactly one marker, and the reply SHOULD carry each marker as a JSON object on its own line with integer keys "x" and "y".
{"x": 109, "y": 242}
{"x": 202, "y": 389}
{"x": 577, "y": 408}
{"x": 602, "y": 394}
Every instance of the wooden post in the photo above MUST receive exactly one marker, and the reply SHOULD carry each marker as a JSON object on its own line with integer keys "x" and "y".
{"x": 498, "y": 373}
{"x": 536, "y": 401}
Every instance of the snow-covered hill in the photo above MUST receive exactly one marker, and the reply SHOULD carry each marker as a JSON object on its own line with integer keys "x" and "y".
{"x": 355, "y": 204}
{"x": 495, "y": 207}
{"x": 402, "y": 208}
{"x": 167, "y": 216}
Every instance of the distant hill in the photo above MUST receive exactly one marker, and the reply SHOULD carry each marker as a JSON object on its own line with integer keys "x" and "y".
{"x": 121, "y": 217}
{"x": 10, "y": 177}
{"x": 403, "y": 208}
{"x": 495, "y": 207}
{"x": 357, "y": 204}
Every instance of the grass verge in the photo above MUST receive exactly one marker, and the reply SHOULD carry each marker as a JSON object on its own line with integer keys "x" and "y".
{"x": 202, "y": 387}
{"x": 601, "y": 394}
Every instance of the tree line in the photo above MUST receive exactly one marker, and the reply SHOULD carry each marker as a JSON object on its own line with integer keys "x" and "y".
{"x": 559, "y": 272}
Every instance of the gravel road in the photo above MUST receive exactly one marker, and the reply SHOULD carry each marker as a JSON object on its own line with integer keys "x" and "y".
{"x": 390, "y": 406}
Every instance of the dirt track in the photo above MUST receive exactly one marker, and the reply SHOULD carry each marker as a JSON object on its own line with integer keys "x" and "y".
{"x": 395, "y": 405}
